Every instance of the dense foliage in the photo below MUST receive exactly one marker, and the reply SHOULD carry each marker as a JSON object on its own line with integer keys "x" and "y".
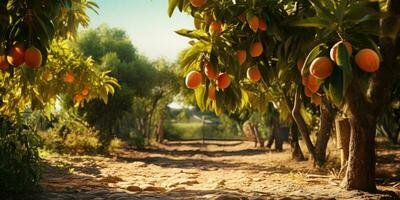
{"x": 19, "y": 156}
{"x": 292, "y": 52}
{"x": 39, "y": 68}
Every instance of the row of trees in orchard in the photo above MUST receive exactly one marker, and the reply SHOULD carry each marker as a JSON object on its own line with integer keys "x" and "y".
{"x": 40, "y": 67}
{"x": 331, "y": 58}
{"x": 62, "y": 85}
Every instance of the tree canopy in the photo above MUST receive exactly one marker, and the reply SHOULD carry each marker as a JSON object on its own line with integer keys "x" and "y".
{"x": 291, "y": 52}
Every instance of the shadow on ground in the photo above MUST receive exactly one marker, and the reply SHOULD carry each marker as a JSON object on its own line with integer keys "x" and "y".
{"x": 81, "y": 177}
{"x": 59, "y": 183}
{"x": 199, "y": 143}
{"x": 176, "y": 152}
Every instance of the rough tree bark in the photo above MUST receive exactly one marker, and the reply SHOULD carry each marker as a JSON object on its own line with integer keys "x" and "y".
{"x": 360, "y": 172}
{"x": 271, "y": 137}
{"x": 327, "y": 116}
{"x": 297, "y": 154}
{"x": 301, "y": 124}
{"x": 254, "y": 131}
{"x": 157, "y": 97}
{"x": 363, "y": 110}
{"x": 317, "y": 152}
{"x": 160, "y": 130}
{"x": 275, "y": 135}
{"x": 343, "y": 139}
{"x": 278, "y": 139}
{"x": 257, "y": 134}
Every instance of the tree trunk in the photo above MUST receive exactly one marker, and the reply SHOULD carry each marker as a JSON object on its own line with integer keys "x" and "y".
{"x": 301, "y": 124}
{"x": 148, "y": 127}
{"x": 326, "y": 122}
{"x": 360, "y": 172}
{"x": 396, "y": 136}
{"x": 271, "y": 138}
{"x": 363, "y": 110}
{"x": 150, "y": 115}
{"x": 343, "y": 139}
{"x": 257, "y": 134}
{"x": 317, "y": 152}
{"x": 274, "y": 136}
{"x": 297, "y": 154}
{"x": 253, "y": 132}
{"x": 239, "y": 127}
{"x": 279, "y": 139}
{"x": 160, "y": 130}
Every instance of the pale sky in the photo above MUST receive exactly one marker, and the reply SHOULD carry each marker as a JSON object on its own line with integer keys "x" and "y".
{"x": 147, "y": 24}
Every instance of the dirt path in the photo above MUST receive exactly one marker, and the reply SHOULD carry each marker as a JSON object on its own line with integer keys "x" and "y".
{"x": 189, "y": 170}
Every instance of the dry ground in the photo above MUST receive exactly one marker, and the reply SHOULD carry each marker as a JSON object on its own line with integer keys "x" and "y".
{"x": 217, "y": 170}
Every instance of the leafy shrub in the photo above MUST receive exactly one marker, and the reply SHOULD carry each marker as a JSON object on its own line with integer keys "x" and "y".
{"x": 70, "y": 134}
{"x": 74, "y": 142}
{"x": 115, "y": 144}
{"x": 19, "y": 156}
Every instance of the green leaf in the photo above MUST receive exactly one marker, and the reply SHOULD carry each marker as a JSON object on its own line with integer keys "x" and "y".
{"x": 181, "y": 4}
{"x": 249, "y": 16}
{"x": 245, "y": 98}
{"x": 358, "y": 13}
{"x": 375, "y": 48}
{"x": 199, "y": 95}
{"x": 340, "y": 11}
{"x": 12, "y": 4}
{"x": 329, "y": 4}
{"x": 314, "y": 53}
{"x": 93, "y": 6}
{"x": 335, "y": 87}
{"x": 46, "y": 25}
{"x": 343, "y": 61}
{"x": 171, "y": 6}
{"x": 322, "y": 11}
{"x": 195, "y": 34}
{"x": 314, "y": 22}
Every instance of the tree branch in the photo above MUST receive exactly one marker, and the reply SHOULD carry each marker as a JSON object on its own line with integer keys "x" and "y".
{"x": 327, "y": 118}
{"x": 301, "y": 124}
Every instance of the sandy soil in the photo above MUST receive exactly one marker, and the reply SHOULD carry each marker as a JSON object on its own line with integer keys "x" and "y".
{"x": 216, "y": 170}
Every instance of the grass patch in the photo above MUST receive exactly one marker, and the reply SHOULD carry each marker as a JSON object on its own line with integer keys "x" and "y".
{"x": 194, "y": 130}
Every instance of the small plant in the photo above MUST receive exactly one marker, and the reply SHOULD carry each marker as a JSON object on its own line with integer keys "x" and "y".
{"x": 19, "y": 156}
{"x": 337, "y": 173}
{"x": 115, "y": 144}
{"x": 70, "y": 134}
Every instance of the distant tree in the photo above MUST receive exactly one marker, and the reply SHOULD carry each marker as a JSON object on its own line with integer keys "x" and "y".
{"x": 143, "y": 85}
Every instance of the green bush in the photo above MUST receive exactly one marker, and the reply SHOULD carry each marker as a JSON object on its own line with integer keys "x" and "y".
{"x": 19, "y": 156}
{"x": 115, "y": 144}
{"x": 73, "y": 142}
{"x": 70, "y": 133}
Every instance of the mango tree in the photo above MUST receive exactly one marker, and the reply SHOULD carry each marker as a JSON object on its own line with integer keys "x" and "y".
{"x": 38, "y": 68}
{"x": 338, "y": 46}
{"x": 37, "y": 61}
